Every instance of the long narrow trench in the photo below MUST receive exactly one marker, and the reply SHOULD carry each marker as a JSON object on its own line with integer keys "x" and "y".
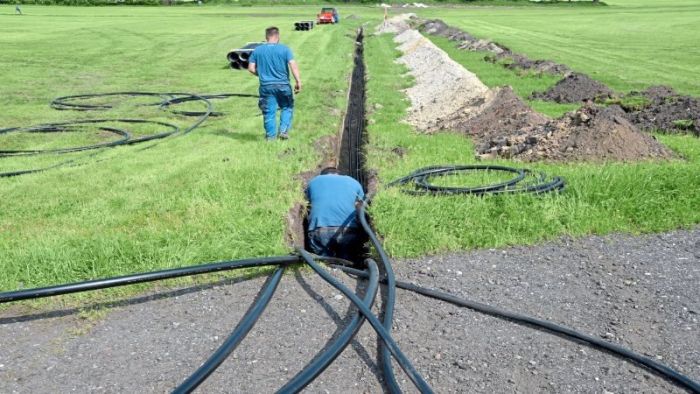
{"x": 348, "y": 154}
{"x": 353, "y": 138}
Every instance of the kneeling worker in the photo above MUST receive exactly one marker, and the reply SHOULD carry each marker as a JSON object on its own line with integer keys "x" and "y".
{"x": 333, "y": 229}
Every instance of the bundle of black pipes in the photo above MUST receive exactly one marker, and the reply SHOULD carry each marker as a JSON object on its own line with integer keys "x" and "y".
{"x": 326, "y": 357}
{"x": 238, "y": 58}
{"x": 304, "y": 25}
{"x": 82, "y": 102}
{"x": 371, "y": 273}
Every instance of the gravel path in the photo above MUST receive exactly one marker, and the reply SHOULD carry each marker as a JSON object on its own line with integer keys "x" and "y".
{"x": 443, "y": 90}
{"x": 641, "y": 292}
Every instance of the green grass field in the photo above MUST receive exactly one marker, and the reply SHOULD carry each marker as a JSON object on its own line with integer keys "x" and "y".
{"x": 222, "y": 193}
{"x": 217, "y": 193}
{"x": 599, "y": 199}
{"x": 630, "y": 44}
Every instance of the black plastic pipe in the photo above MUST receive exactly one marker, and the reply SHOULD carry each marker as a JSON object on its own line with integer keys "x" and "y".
{"x": 568, "y": 333}
{"x": 323, "y": 360}
{"x": 387, "y": 369}
{"x": 233, "y": 56}
{"x": 236, "y": 337}
{"x": 98, "y": 284}
{"x": 420, "y": 179}
{"x": 244, "y": 55}
{"x": 556, "y": 328}
{"x": 400, "y": 357}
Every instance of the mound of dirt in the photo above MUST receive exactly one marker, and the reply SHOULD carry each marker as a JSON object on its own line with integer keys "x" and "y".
{"x": 591, "y": 133}
{"x": 667, "y": 111}
{"x": 575, "y": 88}
{"x": 501, "y": 53}
{"x": 514, "y": 61}
{"x": 440, "y": 28}
{"x": 485, "y": 45}
{"x": 505, "y": 114}
{"x": 447, "y": 96}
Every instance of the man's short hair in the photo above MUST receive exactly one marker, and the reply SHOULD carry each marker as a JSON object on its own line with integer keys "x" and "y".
{"x": 329, "y": 170}
{"x": 271, "y": 32}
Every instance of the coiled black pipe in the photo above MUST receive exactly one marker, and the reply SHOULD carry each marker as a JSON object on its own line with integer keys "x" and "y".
{"x": 236, "y": 337}
{"x": 324, "y": 359}
{"x": 420, "y": 180}
{"x": 378, "y": 326}
{"x": 77, "y": 125}
{"x": 167, "y": 101}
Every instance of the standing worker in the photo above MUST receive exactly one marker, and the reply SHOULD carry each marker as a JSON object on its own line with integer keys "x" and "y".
{"x": 271, "y": 63}
{"x": 17, "y": 9}
{"x": 333, "y": 229}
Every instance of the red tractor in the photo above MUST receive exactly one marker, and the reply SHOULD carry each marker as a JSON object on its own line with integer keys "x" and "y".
{"x": 328, "y": 15}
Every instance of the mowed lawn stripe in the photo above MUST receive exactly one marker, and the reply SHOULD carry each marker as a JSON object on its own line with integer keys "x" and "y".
{"x": 630, "y": 44}
{"x": 218, "y": 193}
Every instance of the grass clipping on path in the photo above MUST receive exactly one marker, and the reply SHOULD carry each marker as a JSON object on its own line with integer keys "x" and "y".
{"x": 599, "y": 199}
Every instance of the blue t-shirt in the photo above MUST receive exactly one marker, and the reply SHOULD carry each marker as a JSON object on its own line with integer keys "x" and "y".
{"x": 332, "y": 199}
{"x": 271, "y": 62}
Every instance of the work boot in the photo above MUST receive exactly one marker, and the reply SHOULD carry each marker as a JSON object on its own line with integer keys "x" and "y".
{"x": 284, "y": 136}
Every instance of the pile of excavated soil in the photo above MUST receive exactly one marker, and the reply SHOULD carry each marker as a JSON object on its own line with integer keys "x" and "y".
{"x": 590, "y": 133}
{"x": 443, "y": 89}
{"x": 510, "y": 59}
{"x": 505, "y": 114}
{"x": 516, "y": 61}
{"x": 575, "y": 88}
{"x": 666, "y": 110}
{"x": 447, "y": 96}
{"x": 440, "y": 28}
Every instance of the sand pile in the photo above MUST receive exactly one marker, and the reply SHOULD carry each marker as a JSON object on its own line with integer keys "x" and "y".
{"x": 396, "y": 24}
{"x": 448, "y": 97}
{"x": 443, "y": 90}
